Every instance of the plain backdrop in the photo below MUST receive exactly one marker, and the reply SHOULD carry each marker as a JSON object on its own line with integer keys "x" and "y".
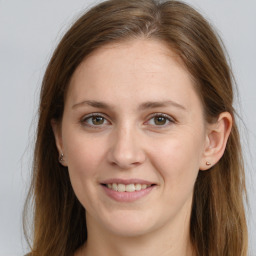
{"x": 30, "y": 30}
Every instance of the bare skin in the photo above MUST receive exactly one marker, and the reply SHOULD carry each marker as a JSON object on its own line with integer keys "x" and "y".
{"x": 132, "y": 114}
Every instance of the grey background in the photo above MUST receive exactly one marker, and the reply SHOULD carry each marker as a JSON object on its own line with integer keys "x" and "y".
{"x": 30, "y": 30}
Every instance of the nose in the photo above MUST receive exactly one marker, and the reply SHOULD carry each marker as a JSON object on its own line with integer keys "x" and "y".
{"x": 126, "y": 150}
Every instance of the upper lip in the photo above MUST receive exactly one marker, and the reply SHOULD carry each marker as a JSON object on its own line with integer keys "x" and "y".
{"x": 127, "y": 181}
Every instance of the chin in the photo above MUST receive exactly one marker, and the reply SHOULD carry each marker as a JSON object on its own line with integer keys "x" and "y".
{"x": 129, "y": 231}
{"x": 128, "y": 224}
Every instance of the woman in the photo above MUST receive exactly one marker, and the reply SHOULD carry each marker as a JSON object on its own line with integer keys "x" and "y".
{"x": 137, "y": 149}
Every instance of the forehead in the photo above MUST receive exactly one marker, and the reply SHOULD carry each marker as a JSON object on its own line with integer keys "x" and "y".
{"x": 142, "y": 69}
{"x": 138, "y": 53}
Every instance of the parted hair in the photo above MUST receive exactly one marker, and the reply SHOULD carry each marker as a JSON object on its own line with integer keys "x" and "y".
{"x": 218, "y": 224}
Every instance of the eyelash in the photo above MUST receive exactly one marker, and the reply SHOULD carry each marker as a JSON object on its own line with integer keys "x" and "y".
{"x": 87, "y": 117}
{"x": 168, "y": 119}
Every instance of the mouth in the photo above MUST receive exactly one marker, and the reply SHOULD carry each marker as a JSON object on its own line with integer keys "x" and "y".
{"x": 127, "y": 190}
{"x": 132, "y": 187}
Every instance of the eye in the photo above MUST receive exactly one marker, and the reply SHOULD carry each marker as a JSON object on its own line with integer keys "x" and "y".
{"x": 159, "y": 119}
{"x": 94, "y": 120}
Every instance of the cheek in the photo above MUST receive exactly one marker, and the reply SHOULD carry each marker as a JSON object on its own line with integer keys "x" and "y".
{"x": 178, "y": 160}
{"x": 178, "y": 169}
{"x": 84, "y": 159}
{"x": 83, "y": 155}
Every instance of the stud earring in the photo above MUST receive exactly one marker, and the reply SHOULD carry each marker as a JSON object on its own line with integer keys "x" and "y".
{"x": 208, "y": 163}
{"x": 61, "y": 158}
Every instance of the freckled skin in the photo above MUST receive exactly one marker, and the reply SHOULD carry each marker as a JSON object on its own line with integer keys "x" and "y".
{"x": 129, "y": 144}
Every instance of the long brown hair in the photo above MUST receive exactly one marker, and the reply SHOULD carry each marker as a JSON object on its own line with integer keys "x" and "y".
{"x": 218, "y": 224}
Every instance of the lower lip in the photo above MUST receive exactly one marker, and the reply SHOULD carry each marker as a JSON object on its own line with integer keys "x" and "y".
{"x": 127, "y": 196}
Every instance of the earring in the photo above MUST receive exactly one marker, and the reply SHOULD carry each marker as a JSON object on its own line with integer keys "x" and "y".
{"x": 61, "y": 158}
{"x": 208, "y": 163}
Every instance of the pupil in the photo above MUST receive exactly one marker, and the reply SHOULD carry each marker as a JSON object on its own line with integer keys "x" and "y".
{"x": 97, "y": 120}
{"x": 159, "y": 120}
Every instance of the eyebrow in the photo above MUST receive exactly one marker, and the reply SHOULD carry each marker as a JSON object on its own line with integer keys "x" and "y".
{"x": 92, "y": 103}
{"x": 157, "y": 104}
{"x": 143, "y": 106}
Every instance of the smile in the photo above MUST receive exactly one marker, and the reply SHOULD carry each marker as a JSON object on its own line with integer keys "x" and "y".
{"x": 127, "y": 188}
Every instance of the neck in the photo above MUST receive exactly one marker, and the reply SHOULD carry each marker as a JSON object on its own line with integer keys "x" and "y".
{"x": 170, "y": 240}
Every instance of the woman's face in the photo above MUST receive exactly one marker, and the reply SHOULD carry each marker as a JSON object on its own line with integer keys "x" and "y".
{"x": 133, "y": 137}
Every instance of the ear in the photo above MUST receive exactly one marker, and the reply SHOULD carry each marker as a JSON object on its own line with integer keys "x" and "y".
{"x": 56, "y": 127}
{"x": 216, "y": 140}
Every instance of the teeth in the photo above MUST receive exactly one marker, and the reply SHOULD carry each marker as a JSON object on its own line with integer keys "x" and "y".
{"x": 130, "y": 188}
{"x": 114, "y": 186}
{"x": 127, "y": 188}
{"x": 138, "y": 187}
{"x": 121, "y": 188}
{"x": 143, "y": 186}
